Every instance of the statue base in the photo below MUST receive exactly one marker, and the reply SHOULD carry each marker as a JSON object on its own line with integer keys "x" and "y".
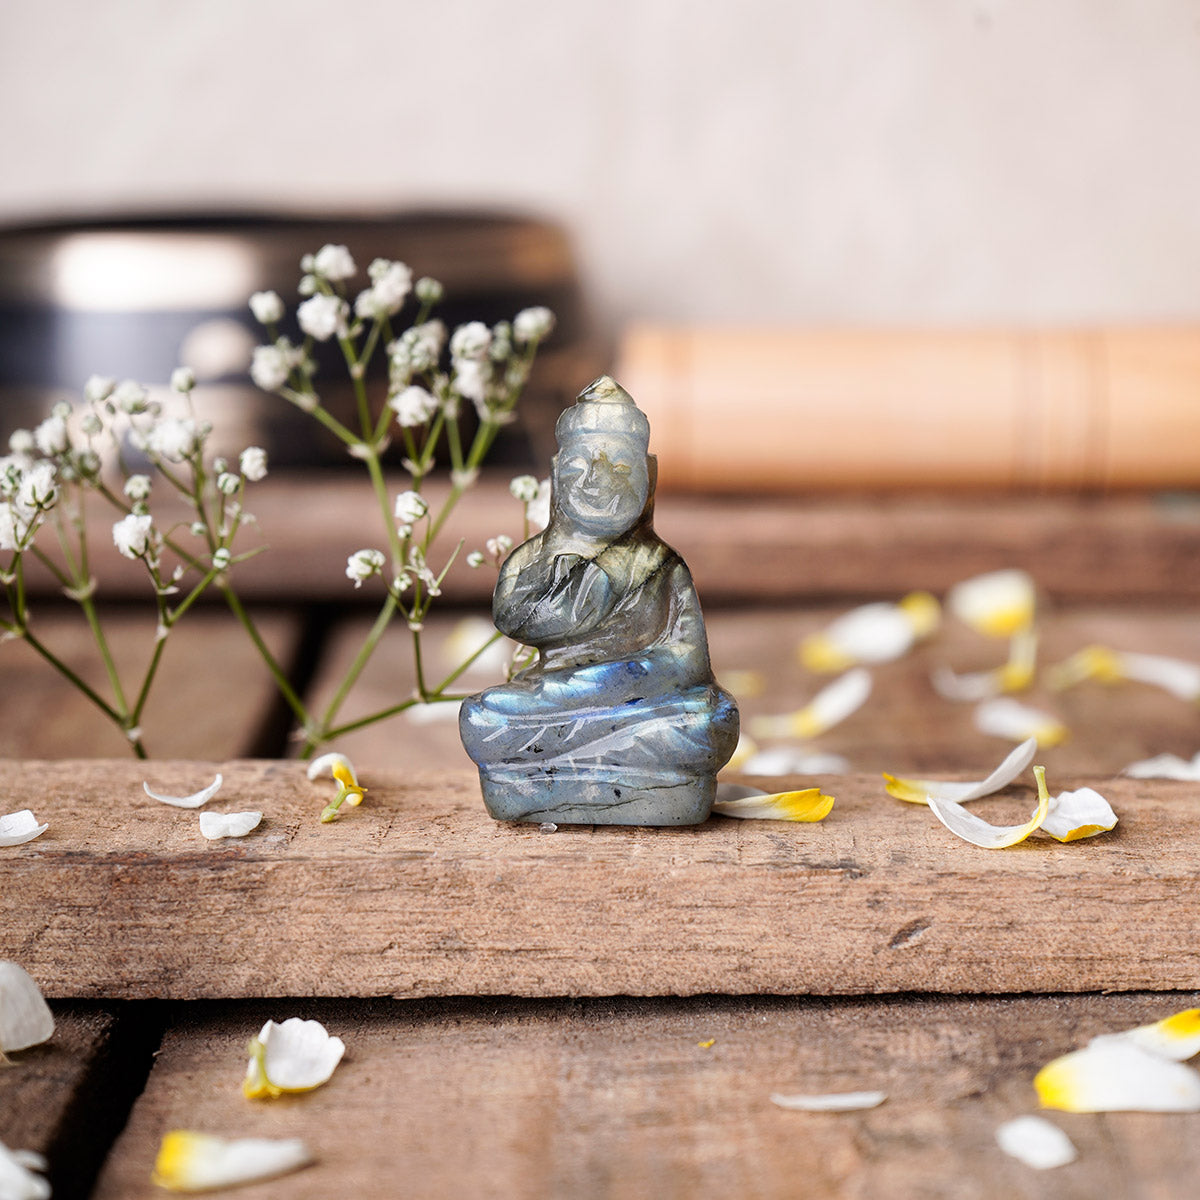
{"x": 539, "y": 798}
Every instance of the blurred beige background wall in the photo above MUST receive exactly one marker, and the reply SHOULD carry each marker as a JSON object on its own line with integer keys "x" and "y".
{"x": 769, "y": 160}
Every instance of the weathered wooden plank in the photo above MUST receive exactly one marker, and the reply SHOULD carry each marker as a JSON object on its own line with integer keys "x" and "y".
{"x": 68, "y": 1098}
{"x": 419, "y": 893}
{"x": 210, "y": 697}
{"x": 904, "y": 726}
{"x": 621, "y": 1099}
{"x": 1123, "y": 546}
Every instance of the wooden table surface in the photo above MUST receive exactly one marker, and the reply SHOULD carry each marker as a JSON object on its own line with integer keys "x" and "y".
{"x": 605, "y": 1012}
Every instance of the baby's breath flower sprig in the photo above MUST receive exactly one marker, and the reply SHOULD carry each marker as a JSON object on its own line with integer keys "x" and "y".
{"x": 45, "y": 485}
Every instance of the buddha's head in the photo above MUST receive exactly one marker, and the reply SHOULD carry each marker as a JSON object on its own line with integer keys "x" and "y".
{"x": 602, "y": 468}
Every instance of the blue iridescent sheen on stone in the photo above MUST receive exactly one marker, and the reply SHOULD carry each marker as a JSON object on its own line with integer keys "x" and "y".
{"x": 619, "y": 721}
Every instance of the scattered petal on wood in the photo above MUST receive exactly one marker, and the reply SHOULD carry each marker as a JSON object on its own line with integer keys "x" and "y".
{"x": 1036, "y": 1143}
{"x": 830, "y": 1101}
{"x": 18, "y": 1180}
{"x": 195, "y": 800}
{"x": 997, "y": 604}
{"x": 829, "y": 707}
{"x": 916, "y": 791}
{"x": 1166, "y": 766}
{"x": 978, "y": 832}
{"x": 794, "y": 760}
{"x": 872, "y": 633}
{"x": 1080, "y": 814}
{"x": 1174, "y": 675}
{"x": 747, "y": 802}
{"x": 25, "y": 1017}
{"x": 1005, "y": 718}
{"x": 20, "y": 827}
{"x": 226, "y": 825}
{"x": 295, "y": 1056}
{"x": 199, "y": 1162}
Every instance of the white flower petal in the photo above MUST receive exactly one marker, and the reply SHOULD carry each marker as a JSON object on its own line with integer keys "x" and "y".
{"x": 325, "y": 764}
{"x": 1115, "y": 1074}
{"x": 25, "y": 1017}
{"x": 792, "y": 760}
{"x": 1036, "y": 1143}
{"x": 997, "y": 604}
{"x": 295, "y": 1056}
{"x": 434, "y": 714}
{"x": 196, "y": 1162}
{"x": 872, "y": 633}
{"x": 20, "y": 827}
{"x": 1080, "y": 814}
{"x": 734, "y": 800}
{"x": 195, "y": 800}
{"x": 222, "y": 825}
{"x": 916, "y": 791}
{"x": 830, "y": 706}
{"x": 973, "y": 686}
{"x": 17, "y": 1178}
{"x": 1173, "y": 675}
{"x": 978, "y": 832}
{"x": 1005, "y": 718}
{"x": 830, "y": 1101}
{"x": 1166, "y": 766}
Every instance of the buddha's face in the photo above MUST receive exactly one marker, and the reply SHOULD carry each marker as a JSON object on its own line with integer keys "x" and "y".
{"x": 601, "y": 487}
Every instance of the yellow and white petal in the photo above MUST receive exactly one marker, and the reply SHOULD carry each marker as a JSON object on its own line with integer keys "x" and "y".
{"x": 20, "y": 827}
{"x": 922, "y": 611}
{"x": 295, "y": 1056}
{"x": 1166, "y": 766}
{"x": 1176, "y": 1037}
{"x": 916, "y": 791}
{"x": 829, "y": 707}
{"x": 1014, "y": 676}
{"x": 979, "y": 832}
{"x": 829, "y": 1101}
{"x": 872, "y": 633}
{"x": 744, "y": 683}
{"x": 199, "y": 1162}
{"x": 1115, "y": 1074}
{"x": 997, "y": 604}
{"x": 18, "y": 1180}
{"x": 734, "y": 800}
{"x": 793, "y": 760}
{"x": 25, "y": 1017}
{"x": 1080, "y": 814}
{"x": 226, "y": 825}
{"x": 332, "y": 763}
{"x": 1036, "y": 1143}
{"x": 195, "y": 800}
{"x": 1006, "y": 718}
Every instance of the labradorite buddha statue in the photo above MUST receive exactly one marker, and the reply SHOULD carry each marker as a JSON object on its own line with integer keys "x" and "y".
{"x": 619, "y": 720}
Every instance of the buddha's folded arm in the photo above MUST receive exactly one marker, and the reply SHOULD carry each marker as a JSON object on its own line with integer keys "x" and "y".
{"x": 538, "y": 602}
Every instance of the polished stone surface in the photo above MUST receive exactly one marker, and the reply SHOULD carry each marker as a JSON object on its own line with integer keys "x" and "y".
{"x": 619, "y": 721}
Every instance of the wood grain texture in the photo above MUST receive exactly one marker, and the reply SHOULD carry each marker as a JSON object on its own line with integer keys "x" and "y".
{"x": 904, "y": 726}
{"x": 776, "y": 548}
{"x": 619, "y": 1099}
{"x": 419, "y": 893}
{"x": 210, "y": 696}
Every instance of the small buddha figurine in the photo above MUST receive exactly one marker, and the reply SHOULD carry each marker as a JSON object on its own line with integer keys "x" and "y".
{"x": 619, "y": 720}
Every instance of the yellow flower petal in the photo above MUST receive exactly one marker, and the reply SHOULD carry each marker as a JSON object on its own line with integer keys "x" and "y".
{"x": 1174, "y": 675}
{"x": 295, "y": 1056}
{"x": 871, "y": 633}
{"x": 1176, "y": 1037}
{"x": 916, "y": 791}
{"x": 1080, "y": 814}
{"x": 1115, "y": 1074}
{"x": 829, "y": 707}
{"x": 998, "y": 604}
{"x": 744, "y": 802}
{"x": 1006, "y": 718}
{"x": 922, "y": 611}
{"x": 978, "y": 832}
{"x": 198, "y": 1162}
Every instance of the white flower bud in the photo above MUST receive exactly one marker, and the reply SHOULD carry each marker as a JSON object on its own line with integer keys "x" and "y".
{"x": 267, "y": 307}
{"x": 253, "y": 462}
{"x": 98, "y": 389}
{"x": 270, "y": 367}
{"x": 413, "y": 406}
{"x": 410, "y": 507}
{"x": 221, "y": 558}
{"x": 51, "y": 436}
{"x": 183, "y": 379}
{"x": 198, "y": 529}
{"x": 362, "y": 564}
{"x": 137, "y": 487}
{"x": 532, "y": 324}
{"x": 91, "y": 424}
{"x": 498, "y": 547}
{"x": 21, "y": 441}
{"x": 309, "y": 285}
{"x": 173, "y": 439}
{"x": 132, "y": 535}
{"x": 322, "y": 316}
{"x": 228, "y": 484}
{"x": 470, "y": 341}
{"x": 429, "y": 291}
{"x": 130, "y": 397}
{"x": 475, "y": 559}
{"x": 524, "y": 488}
{"x": 333, "y": 263}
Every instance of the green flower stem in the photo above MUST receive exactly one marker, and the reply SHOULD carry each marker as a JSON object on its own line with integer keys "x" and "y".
{"x": 160, "y": 643}
{"x": 419, "y": 665}
{"x": 70, "y": 675}
{"x": 286, "y": 690}
{"x": 357, "y": 369}
{"x": 484, "y": 437}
